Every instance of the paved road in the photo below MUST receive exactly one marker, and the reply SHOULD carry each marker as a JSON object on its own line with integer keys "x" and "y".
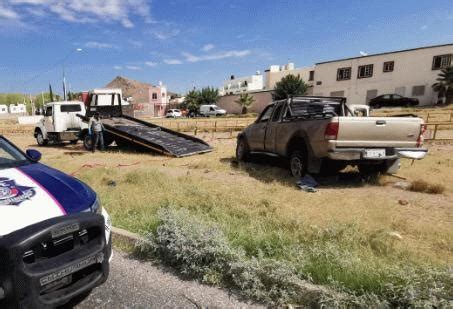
{"x": 135, "y": 284}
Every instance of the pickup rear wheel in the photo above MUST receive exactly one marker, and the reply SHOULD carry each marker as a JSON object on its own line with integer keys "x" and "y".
{"x": 298, "y": 163}
{"x": 40, "y": 139}
{"x": 242, "y": 150}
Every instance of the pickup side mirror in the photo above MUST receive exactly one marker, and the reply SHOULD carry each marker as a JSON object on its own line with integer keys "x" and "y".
{"x": 33, "y": 155}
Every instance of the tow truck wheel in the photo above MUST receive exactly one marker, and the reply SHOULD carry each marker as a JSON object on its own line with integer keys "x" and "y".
{"x": 40, "y": 139}
{"x": 297, "y": 163}
{"x": 242, "y": 150}
{"x": 87, "y": 143}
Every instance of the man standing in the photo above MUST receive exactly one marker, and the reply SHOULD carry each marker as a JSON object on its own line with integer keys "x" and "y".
{"x": 97, "y": 136}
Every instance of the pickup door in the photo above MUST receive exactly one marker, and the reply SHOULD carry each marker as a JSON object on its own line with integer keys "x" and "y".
{"x": 378, "y": 132}
{"x": 257, "y": 131}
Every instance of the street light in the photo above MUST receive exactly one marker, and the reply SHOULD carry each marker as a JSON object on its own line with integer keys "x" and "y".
{"x": 64, "y": 77}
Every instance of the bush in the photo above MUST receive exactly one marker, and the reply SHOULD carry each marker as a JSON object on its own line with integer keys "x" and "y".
{"x": 425, "y": 187}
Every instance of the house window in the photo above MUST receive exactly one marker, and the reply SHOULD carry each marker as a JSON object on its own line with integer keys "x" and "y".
{"x": 441, "y": 62}
{"x": 154, "y": 96}
{"x": 418, "y": 91}
{"x": 344, "y": 73}
{"x": 365, "y": 71}
{"x": 311, "y": 76}
{"x": 318, "y": 83}
{"x": 389, "y": 66}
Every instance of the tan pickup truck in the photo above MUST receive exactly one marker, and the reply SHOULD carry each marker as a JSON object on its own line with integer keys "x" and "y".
{"x": 323, "y": 134}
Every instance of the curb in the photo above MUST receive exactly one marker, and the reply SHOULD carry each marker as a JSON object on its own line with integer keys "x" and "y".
{"x": 130, "y": 237}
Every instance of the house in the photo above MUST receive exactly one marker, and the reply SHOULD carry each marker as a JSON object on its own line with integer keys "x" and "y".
{"x": 275, "y": 73}
{"x": 19, "y": 108}
{"x": 3, "y": 109}
{"x": 147, "y": 100}
{"x": 409, "y": 72}
{"x": 242, "y": 84}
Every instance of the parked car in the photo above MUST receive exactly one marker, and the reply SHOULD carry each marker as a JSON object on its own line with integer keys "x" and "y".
{"x": 321, "y": 133}
{"x": 173, "y": 113}
{"x": 60, "y": 123}
{"x": 211, "y": 110}
{"x": 388, "y": 100}
{"x": 55, "y": 241}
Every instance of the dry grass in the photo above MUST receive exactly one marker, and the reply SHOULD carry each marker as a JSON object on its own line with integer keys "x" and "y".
{"x": 260, "y": 210}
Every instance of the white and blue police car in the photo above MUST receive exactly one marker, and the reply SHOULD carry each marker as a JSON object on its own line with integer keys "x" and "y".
{"x": 55, "y": 241}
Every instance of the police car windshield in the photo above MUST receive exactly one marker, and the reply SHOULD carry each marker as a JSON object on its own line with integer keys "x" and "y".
{"x": 10, "y": 156}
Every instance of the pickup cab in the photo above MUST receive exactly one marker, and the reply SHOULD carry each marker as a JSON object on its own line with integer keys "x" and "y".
{"x": 323, "y": 134}
{"x": 55, "y": 240}
{"x": 60, "y": 123}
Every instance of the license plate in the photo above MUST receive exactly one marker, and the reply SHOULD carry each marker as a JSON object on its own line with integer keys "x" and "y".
{"x": 374, "y": 153}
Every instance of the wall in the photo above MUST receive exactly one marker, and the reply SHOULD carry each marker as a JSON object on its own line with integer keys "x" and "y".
{"x": 262, "y": 99}
{"x": 412, "y": 68}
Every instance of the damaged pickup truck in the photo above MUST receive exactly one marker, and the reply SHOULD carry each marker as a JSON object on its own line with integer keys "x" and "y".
{"x": 323, "y": 134}
{"x": 55, "y": 243}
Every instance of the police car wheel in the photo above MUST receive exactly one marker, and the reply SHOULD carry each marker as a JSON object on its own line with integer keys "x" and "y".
{"x": 41, "y": 140}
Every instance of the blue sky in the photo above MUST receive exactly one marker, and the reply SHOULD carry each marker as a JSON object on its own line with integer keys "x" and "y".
{"x": 199, "y": 42}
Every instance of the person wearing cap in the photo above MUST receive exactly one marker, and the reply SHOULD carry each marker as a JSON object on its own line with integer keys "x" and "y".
{"x": 97, "y": 129}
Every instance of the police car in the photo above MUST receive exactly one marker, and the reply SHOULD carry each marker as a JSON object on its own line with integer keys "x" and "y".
{"x": 55, "y": 241}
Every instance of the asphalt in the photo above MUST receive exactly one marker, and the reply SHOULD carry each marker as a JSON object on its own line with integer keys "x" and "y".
{"x": 137, "y": 284}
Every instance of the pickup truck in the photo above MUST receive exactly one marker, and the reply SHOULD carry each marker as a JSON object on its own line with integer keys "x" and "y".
{"x": 55, "y": 240}
{"x": 319, "y": 134}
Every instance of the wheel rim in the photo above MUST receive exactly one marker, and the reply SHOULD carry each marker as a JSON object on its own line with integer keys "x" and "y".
{"x": 240, "y": 149}
{"x": 40, "y": 139}
{"x": 296, "y": 166}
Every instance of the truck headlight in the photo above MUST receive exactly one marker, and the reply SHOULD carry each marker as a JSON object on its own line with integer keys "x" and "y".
{"x": 96, "y": 207}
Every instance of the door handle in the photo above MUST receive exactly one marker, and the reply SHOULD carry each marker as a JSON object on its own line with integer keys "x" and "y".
{"x": 381, "y": 122}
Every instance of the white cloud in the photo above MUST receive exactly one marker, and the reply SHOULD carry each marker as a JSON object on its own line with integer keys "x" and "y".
{"x": 217, "y": 56}
{"x": 118, "y": 67}
{"x": 151, "y": 63}
{"x": 173, "y": 61}
{"x": 133, "y": 67}
{"x": 424, "y": 27}
{"x": 82, "y": 11}
{"x": 207, "y": 47}
{"x": 165, "y": 35}
{"x": 98, "y": 45}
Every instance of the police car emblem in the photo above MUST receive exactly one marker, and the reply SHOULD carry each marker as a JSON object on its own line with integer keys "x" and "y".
{"x": 12, "y": 194}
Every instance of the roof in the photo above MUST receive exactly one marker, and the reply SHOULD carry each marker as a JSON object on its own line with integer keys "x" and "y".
{"x": 386, "y": 53}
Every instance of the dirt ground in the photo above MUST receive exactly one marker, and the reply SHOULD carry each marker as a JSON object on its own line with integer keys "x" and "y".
{"x": 424, "y": 220}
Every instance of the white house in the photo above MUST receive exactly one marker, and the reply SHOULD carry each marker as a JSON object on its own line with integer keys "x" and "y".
{"x": 242, "y": 84}
{"x": 3, "y": 109}
{"x": 17, "y": 109}
{"x": 408, "y": 73}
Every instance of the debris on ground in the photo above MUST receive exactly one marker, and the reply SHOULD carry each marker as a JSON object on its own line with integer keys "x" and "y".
{"x": 403, "y": 202}
{"x": 111, "y": 183}
{"x": 307, "y": 183}
{"x": 404, "y": 185}
{"x": 395, "y": 235}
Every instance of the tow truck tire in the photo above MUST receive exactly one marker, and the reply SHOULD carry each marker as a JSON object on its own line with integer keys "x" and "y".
{"x": 298, "y": 163}
{"x": 87, "y": 142}
{"x": 40, "y": 139}
{"x": 242, "y": 150}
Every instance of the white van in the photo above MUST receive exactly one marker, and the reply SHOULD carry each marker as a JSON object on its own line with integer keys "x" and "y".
{"x": 211, "y": 110}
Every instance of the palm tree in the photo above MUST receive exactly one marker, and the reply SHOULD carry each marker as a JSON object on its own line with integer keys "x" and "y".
{"x": 444, "y": 85}
{"x": 289, "y": 86}
{"x": 245, "y": 101}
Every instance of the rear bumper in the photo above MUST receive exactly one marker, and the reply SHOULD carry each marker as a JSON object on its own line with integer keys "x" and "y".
{"x": 354, "y": 154}
{"x": 48, "y": 264}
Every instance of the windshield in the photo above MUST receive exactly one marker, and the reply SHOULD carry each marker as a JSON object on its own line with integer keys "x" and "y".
{"x": 10, "y": 156}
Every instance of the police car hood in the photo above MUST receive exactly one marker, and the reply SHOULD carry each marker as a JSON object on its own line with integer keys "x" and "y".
{"x": 33, "y": 193}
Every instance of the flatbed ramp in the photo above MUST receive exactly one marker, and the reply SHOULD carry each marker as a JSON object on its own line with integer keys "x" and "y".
{"x": 154, "y": 137}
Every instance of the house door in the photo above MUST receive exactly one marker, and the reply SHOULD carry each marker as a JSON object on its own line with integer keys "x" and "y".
{"x": 370, "y": 94}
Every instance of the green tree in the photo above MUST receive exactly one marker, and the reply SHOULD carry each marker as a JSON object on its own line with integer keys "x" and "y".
{"x": 444, "y": 85}
{"x": 289, "y": 86}
{"x": 245, "y": 101}
{"x": 209, "y": 95}
{"x": 39, "y": 99}
{"x": 51, "y": 93}
{"x": 192, "y": 101}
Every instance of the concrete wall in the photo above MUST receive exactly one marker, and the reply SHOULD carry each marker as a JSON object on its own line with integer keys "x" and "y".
{"x": 262, "y": 99}
{"x": 411, "y": 68}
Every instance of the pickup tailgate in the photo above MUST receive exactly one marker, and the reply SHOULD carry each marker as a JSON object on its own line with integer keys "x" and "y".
{"x": 402, "y": 132}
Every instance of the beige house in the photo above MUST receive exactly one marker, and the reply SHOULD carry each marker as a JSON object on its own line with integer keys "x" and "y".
{"x": 408, "y": 73}
{"x": 275, "y": 73}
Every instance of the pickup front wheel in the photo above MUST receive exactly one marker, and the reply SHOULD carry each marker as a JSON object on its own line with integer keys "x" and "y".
{"x": 298, "y": 163}
{"x": 242, "y": 150}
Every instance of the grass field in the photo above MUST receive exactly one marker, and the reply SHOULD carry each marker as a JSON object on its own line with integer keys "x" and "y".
{"x": 374, "y": 243}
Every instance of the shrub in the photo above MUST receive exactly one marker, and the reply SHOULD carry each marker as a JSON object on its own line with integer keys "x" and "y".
{"x": 425, "y": 187}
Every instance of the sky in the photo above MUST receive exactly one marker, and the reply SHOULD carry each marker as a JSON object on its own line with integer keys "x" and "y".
{"x": 197, "y": 43}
